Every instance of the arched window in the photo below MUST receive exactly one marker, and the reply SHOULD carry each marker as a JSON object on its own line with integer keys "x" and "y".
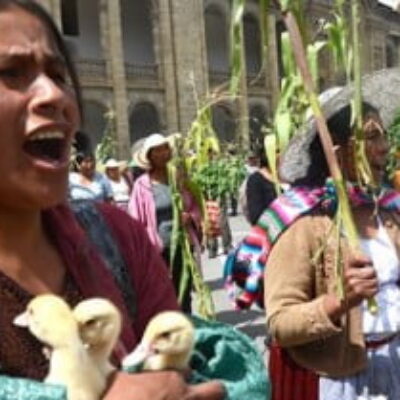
{"x": 216, "y": 39}
{"x": 137, "y": 31}
{"x": 143, "y": 121}
{"x": 223, "y": 123}
{"x": 81, "y": 25}
{"x": 94, "y": 123}
{"x": 70, "y": 17}
{"x": 257, "y": 119}
{"x": 252, "y": 42}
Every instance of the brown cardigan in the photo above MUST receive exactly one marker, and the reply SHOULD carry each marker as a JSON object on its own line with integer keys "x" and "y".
{"x": 300, "y": 271}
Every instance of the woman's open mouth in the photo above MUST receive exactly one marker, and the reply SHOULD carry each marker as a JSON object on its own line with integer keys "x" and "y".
{"x": 48, "y": 147}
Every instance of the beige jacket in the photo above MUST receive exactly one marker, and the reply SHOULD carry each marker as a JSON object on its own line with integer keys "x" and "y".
{"x": 300, "y": 270}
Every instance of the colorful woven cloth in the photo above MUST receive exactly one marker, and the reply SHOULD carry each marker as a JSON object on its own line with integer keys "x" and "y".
{"x": 244, "y": 266}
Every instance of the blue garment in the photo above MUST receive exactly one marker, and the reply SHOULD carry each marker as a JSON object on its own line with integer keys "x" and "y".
{"x": 99, "y": 189}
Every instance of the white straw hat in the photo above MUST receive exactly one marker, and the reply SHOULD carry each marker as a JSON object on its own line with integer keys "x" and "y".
{"x": 112, "y": 163}
{"x": 140, "y": 156}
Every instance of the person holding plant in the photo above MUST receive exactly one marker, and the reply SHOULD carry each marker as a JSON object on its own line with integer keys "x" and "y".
{"x": 43, "y": 247}
{"x": 214, "y": 180}
{"x": 151, "y": 204}
{"x": 327, "y": 342}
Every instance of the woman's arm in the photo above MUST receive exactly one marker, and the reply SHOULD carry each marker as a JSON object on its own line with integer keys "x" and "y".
{"x": 294, "y": 315}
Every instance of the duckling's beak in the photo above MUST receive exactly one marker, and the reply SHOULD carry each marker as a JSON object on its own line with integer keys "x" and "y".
{"x": 138, "y": 356}
{"x": 22, "y": 320}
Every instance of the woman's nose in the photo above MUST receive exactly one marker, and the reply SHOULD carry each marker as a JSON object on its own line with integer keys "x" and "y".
{"x": 49, "y": 99}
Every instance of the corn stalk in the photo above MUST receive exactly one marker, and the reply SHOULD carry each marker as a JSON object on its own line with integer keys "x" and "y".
{"x": 338, "y": 41}
{"x": 180, "y": 239}
{"x": 106, "y": 148}
{"x": 344, "y": 214}
{"x": 363, "y": 169}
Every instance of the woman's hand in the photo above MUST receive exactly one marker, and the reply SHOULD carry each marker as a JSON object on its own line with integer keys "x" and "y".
{"x": 360, "y": 283}
{"x": 165, "y": 385}
{"x": 360, "y": 280}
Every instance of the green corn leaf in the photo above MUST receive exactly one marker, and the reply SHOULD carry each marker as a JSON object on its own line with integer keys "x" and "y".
{"x": 236, "y": 45}
{"x": 313, "y": 51}
{"x": 271, "y": 149}
{"x": 286, "y": 5}
{"x": 284, "y": 128}
{"x": 289, "y": 63}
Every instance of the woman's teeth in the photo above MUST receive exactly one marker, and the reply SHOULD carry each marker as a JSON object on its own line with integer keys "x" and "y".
{"x": 46, "y": 135}
{"x": 46, "y": 146}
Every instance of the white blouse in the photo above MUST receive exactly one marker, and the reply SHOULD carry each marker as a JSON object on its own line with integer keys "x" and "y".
{"x": 383, "y": 254}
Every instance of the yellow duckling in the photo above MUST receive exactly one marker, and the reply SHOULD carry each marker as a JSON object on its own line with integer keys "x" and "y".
{"x": 50, "y": 319}
{"x": 100, "y": 325}
{"x": 167, "y": 343}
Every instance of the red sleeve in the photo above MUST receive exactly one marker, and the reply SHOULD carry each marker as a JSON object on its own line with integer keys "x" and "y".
{"x": 153, "y": 287}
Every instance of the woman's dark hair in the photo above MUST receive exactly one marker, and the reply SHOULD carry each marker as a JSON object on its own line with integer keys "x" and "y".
{"x": 39, "y": 12}
{"x": 82, "y": 143}
{"x": 81, "y": 156}
{"x": 340, "y": 128}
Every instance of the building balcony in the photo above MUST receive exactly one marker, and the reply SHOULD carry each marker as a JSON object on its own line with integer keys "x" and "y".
{"x": 138, "y": 73}
{"x": 218, "y": 77}
{"x": 256, "y": 80}
{"x": 253, "y": 80}
{"x": 92, "y": 71}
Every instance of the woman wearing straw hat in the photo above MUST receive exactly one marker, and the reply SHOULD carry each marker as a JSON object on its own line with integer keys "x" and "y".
{"x": 120, "y": 185}
{"x": 151, "y": 204}
{"x": 327, "y": 346}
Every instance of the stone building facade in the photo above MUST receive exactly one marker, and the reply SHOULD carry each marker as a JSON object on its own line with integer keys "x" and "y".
{"x": 149, "y": 61}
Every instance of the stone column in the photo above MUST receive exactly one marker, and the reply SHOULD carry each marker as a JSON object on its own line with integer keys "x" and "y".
{"x": 184, "y": 63}
{"x": 117, "y": 69}
{"x": 243, "y": 131}
{"x": 272, "y": 72}
{"x": 165, "y": 53}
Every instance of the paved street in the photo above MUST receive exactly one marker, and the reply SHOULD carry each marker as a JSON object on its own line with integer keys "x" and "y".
{"x": 251, "y": 322}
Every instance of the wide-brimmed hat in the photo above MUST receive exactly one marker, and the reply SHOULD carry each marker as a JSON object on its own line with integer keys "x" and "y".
{"x": 113, "y": 163}
{"x": 380, "y": 89}
{"x": 140, "y": 153}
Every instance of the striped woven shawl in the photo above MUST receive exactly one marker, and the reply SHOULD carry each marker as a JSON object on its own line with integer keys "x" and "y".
{"x": 244, "y": 266}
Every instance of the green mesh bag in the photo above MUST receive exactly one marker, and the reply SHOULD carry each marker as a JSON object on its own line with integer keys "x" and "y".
{"x": 25, "y": 389}
{"x": 223, "y": 353}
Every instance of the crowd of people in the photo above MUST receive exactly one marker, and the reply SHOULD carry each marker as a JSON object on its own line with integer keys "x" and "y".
{"x": 327, "y": 343}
